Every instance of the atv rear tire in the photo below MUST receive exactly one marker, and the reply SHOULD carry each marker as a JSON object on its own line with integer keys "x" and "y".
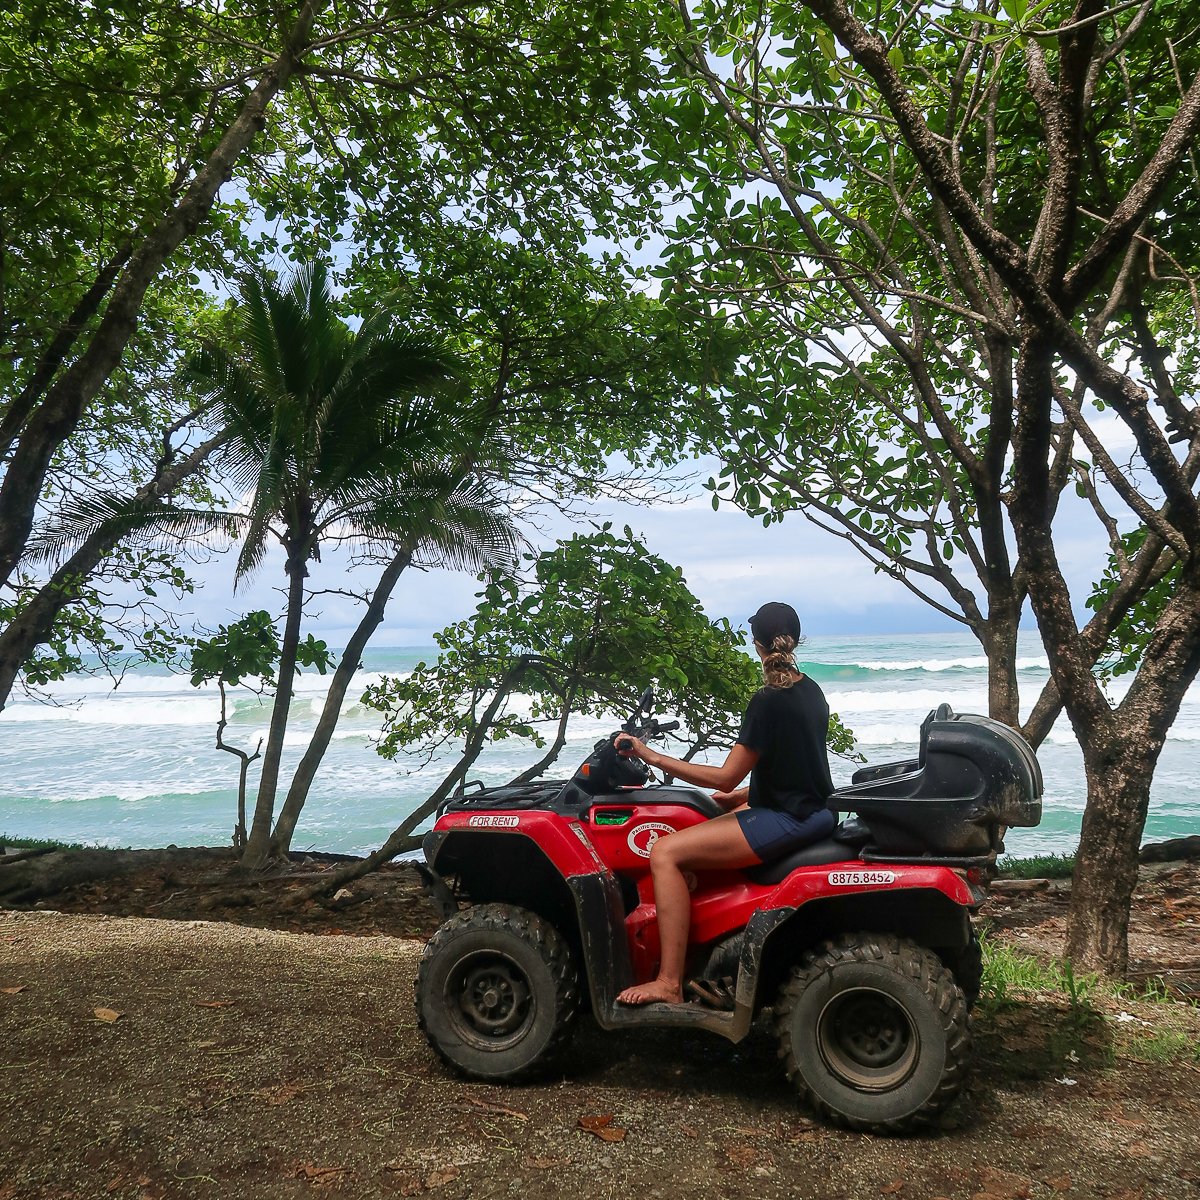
{"x": 497, "y": 991}
{"x": 874, "y": 1032}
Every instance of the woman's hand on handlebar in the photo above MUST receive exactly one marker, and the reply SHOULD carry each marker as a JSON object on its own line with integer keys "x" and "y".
{"x": 629, "y": 746}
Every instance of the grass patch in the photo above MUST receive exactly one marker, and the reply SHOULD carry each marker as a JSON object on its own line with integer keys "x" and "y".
{"x": 1006, "y": 972}
{"x": 20, "y": 843}
{"x": 1040, "y": 866}
{"x": 1163, "y": 1046}
{"x": 1017, "y": 987}
{"x": 1149, "y": 991}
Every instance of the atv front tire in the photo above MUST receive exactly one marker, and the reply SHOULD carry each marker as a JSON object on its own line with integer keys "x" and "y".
{"x": 874, "y": 1032}
{"x": 497, "y": 991}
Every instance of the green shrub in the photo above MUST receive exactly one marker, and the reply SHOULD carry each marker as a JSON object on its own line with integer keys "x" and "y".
{"x": 21, "y": 843}
{"x": 1040, "y": 866}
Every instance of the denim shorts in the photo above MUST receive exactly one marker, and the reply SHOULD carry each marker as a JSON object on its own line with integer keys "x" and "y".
{"x": 773, "y": 833}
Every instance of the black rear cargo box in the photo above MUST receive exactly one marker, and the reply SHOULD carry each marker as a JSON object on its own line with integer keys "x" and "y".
{"x": 973, "y": 778}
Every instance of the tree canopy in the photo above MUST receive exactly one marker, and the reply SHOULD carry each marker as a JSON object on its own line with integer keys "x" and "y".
{"x": 154, "y": 153}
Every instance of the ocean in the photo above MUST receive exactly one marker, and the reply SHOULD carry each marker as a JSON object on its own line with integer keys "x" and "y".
{"x": 137, "y": 767}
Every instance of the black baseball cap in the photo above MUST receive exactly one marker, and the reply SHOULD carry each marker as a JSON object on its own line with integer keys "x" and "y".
{"x": 773, "y": 619}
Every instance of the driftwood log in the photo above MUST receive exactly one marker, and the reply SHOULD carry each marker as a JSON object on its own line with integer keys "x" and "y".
{"x": 1174, "y": 850}
{"x": 25, "y": 880}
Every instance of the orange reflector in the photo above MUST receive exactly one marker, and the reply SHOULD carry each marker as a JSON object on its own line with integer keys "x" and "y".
{"x": 585, "y": 770}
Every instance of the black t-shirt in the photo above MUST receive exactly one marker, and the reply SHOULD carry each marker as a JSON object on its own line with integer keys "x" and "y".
{"x": 788, "y": 727}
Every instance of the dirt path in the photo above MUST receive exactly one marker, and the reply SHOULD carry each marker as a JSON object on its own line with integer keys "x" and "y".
{"x": 255, "y": 1063}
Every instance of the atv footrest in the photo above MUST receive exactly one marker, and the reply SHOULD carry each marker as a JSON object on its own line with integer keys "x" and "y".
{"x": 731, "y": 1025}
{"x": 715, "y": 994}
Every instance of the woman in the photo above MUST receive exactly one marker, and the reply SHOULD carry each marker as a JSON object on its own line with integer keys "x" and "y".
{"x": 782, "y": 746}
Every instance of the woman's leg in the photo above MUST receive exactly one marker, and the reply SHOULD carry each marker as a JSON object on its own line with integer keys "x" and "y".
{"x": 715, "y": 844}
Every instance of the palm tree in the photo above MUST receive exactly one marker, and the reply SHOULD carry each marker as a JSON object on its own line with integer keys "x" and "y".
{"x": 347, "y": 434}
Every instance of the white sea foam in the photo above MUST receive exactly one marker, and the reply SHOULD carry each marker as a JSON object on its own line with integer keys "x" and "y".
{"x": 179, "y": 708}
{"x": 915, "y": 701}
{"x": 79, "y": 686}
{"x": 971, "y": 663}
{"x": 129, "y": 711}
{"x": 153, "y": 776}
{"x": 886, "y": 734}
{"x": 299, "y": 737}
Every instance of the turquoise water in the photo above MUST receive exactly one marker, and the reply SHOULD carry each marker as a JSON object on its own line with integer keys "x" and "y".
{"x": 137, "y": 766}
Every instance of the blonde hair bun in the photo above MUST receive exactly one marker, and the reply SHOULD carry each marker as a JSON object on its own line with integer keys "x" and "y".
{"x": 779, "y": 666}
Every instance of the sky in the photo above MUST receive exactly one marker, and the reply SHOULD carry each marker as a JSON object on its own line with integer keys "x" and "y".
{"x": 731, "y": 563}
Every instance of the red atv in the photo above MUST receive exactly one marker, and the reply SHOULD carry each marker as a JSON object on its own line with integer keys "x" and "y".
{"x": 860, "y": 947}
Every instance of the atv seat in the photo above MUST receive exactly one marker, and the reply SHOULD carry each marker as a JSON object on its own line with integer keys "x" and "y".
{"x": 827, "y": 850}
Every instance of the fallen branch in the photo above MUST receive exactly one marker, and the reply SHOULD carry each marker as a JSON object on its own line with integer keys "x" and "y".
{"x": 45, "y": 874}
{"x": 17, "y": 856}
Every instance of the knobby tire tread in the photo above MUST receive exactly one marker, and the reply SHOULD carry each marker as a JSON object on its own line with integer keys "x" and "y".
{"x": 967, "y": 965}
{"x": 550, "y": 946}
{"x": 936, "y": 981}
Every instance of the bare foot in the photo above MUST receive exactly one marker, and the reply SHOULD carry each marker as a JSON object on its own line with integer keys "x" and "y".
{"x": 657, "y": 991}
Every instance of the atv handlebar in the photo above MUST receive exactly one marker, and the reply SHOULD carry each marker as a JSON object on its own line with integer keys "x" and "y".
{"x": 653, "y": 729}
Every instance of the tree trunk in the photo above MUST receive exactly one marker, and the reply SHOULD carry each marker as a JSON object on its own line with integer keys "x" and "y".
{"x": 244, "y": 761}
{"x": 281, "y": 840}
{"x": 56, "y": 352}
{"x": 1120, "y": 765}
{"x": 239, "y": 833}
{"x": 258, "y": 848}
{"x": 1000, "y": 646}
{"x": 1120, "y": 748}
{"x": 1106, "y": 863}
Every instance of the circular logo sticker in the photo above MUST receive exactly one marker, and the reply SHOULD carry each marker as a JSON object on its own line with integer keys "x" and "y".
{"x": 642, "y": 837}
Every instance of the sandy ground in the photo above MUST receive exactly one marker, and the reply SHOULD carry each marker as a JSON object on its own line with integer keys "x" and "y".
{"x": 252, "y": 1063}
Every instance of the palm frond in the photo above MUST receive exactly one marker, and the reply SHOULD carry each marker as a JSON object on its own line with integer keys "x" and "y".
{"x": 375, "y": 433}
{"x": 326, "y": 338}
{"x": 254, "y": 547}
{"x": 279, "y": 339}
{"x": 463, "y": 528}
{"x": 373, "y": 427}
{"x": 125, "y": 517}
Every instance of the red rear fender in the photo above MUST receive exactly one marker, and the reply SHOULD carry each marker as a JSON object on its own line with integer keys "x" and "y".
{"x": 833, "y": 880}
